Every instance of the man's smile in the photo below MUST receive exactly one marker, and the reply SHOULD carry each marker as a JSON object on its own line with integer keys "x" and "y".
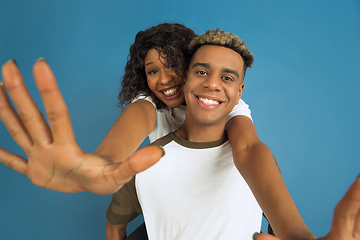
{"x": 207, "y": 101}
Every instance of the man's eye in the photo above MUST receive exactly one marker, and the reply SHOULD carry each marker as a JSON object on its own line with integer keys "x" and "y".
{"x": 152, "y": 72}
{"x": 226, "y": 78}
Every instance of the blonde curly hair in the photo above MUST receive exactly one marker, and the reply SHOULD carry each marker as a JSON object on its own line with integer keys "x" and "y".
{"x": 221, "y": 38}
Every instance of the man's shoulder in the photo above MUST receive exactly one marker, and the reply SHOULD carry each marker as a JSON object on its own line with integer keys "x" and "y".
{"x": 163, "y": 141}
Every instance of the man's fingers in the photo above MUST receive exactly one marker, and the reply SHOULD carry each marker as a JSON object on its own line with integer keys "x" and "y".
{"x": 55, "y": 106}
{"x": 29, "y": 113}
{"x": 12, "y": 121}
{"x": 141, "y": 160}
{"x": 264, "y": 236}
{"x": 13, "y": 161}
{"x": 354, "y": 197}
{"x": 357, "y": 226}
{"x": 346, "y": 222}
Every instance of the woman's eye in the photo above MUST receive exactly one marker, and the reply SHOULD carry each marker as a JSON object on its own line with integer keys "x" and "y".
{"x": 201, "y": 72}
{"x": 152, "y": 72}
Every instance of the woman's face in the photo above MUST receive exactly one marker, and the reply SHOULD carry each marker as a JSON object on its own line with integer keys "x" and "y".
{"x": 162, "y": 79}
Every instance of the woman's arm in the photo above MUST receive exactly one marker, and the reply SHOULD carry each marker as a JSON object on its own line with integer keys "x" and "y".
{"x": 134, "y": 124}
{"x": 256, "y": 163}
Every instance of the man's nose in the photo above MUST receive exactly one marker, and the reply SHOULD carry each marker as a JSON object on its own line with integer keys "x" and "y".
{"x": 213, "y": 82}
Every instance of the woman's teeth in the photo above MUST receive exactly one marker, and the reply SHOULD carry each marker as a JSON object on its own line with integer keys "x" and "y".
{"x": 208, "y": 101}
{"x": 170, "y": 91}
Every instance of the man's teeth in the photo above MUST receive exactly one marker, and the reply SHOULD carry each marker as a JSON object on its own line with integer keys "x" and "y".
{"x": 208, "y": 101}
{"x": 170, "y": 92}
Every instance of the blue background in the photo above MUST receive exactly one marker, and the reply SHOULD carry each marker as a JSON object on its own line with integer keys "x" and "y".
{"x": 303, "y": 91}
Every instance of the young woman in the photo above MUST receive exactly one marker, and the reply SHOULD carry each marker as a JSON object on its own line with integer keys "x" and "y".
{"x": 152, "y": 84}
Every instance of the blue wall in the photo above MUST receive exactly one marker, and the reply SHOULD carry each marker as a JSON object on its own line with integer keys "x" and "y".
{"x": 303, "y": 92}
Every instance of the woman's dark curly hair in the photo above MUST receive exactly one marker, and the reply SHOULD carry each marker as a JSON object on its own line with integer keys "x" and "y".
{"x": 171, "y": 41}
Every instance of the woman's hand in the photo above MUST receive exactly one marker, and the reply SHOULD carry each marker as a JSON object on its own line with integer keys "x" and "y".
{"x": 55, "y": 160}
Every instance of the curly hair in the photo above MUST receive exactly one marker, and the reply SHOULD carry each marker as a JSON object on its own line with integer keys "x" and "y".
{"x": 221, "y": 38}
{"x": 171, "y": 41}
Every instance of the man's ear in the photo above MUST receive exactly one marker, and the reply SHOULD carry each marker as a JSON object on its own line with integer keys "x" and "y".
{"x": 241, "y": 88}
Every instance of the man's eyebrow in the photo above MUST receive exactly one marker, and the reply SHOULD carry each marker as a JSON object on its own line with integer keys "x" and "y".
{"x": 227, "y": 70}
{"x": 206, "y": 65}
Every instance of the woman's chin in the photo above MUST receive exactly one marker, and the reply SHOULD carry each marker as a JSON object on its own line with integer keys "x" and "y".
{"x": 173, "y": 103}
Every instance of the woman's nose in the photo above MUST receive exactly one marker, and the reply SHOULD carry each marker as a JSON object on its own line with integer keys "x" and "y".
{"x": 167, "y": 76}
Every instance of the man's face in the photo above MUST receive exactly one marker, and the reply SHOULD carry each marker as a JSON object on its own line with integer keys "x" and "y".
{"x": 214, "y": 84}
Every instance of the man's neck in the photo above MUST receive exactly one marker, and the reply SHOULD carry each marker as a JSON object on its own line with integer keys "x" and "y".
{"x": 195, "y": 132}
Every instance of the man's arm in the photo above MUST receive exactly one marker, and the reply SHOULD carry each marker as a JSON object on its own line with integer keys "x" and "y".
{"x": 55, "y": 160}
{"x": 115, "y": 232}
{"x": 123, "y": 208}
{"x": 256, "y": 163}
{"x": 346, "y": 220}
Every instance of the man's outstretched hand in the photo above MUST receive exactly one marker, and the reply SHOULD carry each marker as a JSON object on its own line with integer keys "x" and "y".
{"x": 346, "y": 220}
{"x": 55, "y": 160}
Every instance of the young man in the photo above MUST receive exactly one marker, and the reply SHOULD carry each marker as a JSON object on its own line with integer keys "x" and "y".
{"x": 195, "y": 190}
